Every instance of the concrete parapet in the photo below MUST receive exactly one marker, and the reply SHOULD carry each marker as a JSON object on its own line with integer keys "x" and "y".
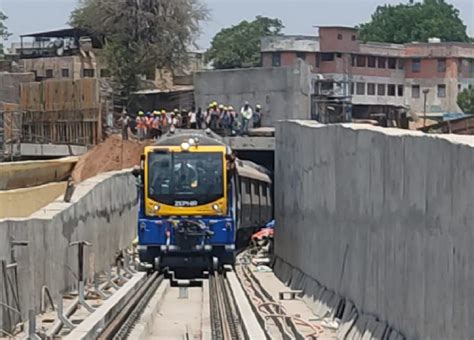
{"x": 380, "y": 217}
{"x": 102, "y": 211}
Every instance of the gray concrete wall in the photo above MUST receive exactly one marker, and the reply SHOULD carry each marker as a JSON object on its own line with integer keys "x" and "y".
{"x": 382, "y": 217}
{"x": 103, "y": 211}
{"x": 283, "y": 92}
{"x": 10, "y": 85}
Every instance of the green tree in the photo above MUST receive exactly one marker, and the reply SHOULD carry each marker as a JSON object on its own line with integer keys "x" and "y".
{"x": 409, "y": 22}
{"x": 3, "y": 30}
{"x": 239, "y": 46}
{"x": 141, "y": 35}
{"x": 466, "y": 100}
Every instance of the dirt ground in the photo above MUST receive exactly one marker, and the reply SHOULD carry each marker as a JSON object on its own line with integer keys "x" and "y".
{"x": 112, "y": 154}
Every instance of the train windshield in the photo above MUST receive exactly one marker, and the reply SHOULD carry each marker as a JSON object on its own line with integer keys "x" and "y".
{"x": 185, "y": 179}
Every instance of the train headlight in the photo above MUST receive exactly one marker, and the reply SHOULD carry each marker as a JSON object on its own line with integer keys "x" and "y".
{"x": 156, "y": 208}
{"x": 185, "y": 146}
{"x": 216, "y": 208}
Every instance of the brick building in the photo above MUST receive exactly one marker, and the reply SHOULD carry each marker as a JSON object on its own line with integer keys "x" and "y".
{"x": 379, "y": 76}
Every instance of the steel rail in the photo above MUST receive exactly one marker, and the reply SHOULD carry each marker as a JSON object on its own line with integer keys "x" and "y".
{"x": 122, "y": 324}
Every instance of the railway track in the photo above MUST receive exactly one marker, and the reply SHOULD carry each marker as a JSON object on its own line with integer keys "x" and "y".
{"x": 225, "y": 317}
{"x": 123, "y": 323}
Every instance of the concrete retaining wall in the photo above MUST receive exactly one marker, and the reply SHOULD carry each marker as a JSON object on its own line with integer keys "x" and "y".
{"x": 382, "y": 217}
{"x": 103, "y": 211}
{"x": 283, "y": 92}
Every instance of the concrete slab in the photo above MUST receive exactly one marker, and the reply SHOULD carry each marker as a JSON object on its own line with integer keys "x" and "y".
{"x": 144, "y": 327}
{"x": 251, "y": 324}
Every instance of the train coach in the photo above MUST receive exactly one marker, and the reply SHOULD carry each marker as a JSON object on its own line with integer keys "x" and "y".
{"x": 198, "y": 202}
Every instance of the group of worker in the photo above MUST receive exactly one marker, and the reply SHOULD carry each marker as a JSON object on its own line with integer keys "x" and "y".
{"x": 219, "y": 118}
{"x": 231, "y": 122}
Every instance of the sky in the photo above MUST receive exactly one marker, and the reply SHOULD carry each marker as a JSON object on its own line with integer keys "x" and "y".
{"x": 298, "y": 16}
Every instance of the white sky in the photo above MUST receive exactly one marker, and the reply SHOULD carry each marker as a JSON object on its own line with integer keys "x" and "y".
{"x": 299, "y": 16}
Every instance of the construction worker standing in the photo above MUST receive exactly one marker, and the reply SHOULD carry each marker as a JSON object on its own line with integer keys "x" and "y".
{"x": 247, "y": 113}
{"x": 155, "y": 125}
{"x": 141, "y": 125}
{"x": 257, "y": 116}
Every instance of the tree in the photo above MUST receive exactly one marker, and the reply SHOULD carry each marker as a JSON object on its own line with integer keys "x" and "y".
{"x": 404, "y": 23}
{"x": 3, "y": 30}
{"x": 466, "y": 100}
{"x": 141, "y": 35}
{"x": 239, "y": 46}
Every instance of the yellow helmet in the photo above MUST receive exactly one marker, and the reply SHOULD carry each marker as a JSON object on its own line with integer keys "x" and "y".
{"x": 141, "y": 113}
{"x": 231, "y": 108}
{"x": 221, "y": 106}
{"x": 156, "y": 113}
{"x": 163, "y": 112}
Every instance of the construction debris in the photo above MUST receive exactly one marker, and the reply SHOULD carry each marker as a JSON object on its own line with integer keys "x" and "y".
{"x": 113, "y": 154}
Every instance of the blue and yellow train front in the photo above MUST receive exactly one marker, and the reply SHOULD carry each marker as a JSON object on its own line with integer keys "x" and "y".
{"x": 186, "y": 216}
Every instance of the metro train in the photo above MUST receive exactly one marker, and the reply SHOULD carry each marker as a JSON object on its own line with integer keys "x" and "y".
{"x": 198, "y": 202}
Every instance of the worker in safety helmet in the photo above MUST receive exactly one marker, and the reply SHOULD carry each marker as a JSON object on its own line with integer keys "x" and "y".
{"x": 155, "y": 125}
{"x": 141, "y": 125}
{"x": 257, "y": 116}
{"x": 164, "y": 121}
{"x": 247, "y": 114}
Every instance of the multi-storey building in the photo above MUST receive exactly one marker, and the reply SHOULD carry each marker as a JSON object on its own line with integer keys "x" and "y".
{"x": 379, "y": 76}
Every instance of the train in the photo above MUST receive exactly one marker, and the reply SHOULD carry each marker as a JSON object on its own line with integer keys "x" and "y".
{"x": 198, "y": 203}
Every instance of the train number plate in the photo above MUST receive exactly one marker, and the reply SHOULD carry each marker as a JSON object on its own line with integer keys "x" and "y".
{"x": 185, "y": 203}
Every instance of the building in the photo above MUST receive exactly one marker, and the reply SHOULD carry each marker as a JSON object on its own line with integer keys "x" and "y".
{"x": 62, "y": 54}
{"x": 380, "y": 77}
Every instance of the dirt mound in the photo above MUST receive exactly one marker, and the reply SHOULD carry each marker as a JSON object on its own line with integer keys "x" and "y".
{"x": 113, "y": 154}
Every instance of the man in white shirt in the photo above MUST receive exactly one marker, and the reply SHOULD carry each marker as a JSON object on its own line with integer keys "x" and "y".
{"x": 246, "y": 113}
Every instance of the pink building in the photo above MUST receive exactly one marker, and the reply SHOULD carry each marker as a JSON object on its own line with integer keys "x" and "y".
{"x": 379, "y": 75}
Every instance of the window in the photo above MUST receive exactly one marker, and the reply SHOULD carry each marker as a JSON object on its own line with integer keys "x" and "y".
{"x": 441, "y": 65}
{"x": 327, "y": 56}
{"x": 65, "y": 73}
{"x": 353, "y": 60}
{"x": 400, "y": 90}
{"x": 415, "y": 91}
{"x": 381, "y": 62}
{"x": 339, "y": 55}
{"x": 392, "y": 63}
{"x": 459, "y": 88}
{"x": 276, "y": 59}
{"x": 441, "y": 91}
{"x": 471, "y": 67}
{"x": 371, "y": 89}
{"x": 256, "y": 188}
{"x": 49, "y": 73}
{"x": 391, "y": 90}
{"x": 88, "y": 73}
{"x": 360, "y": 88}
{"x": 353, "y": 38}
{"x": 104, "y": 73}
{"x": 415, "y": 65}
{"x": 400, "y": 64}
{"x": 352, "y": 88}
{"x": 360, "y": 61}
{"x": 316, "y": 60}
{"x": 301, "y": 55}
{"x": 339, "y": 36}
{"x": 381, "y": 89}
{"x": 371, "y": 61}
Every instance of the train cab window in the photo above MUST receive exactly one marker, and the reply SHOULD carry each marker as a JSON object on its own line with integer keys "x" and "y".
{"x": 256, "y": 188}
